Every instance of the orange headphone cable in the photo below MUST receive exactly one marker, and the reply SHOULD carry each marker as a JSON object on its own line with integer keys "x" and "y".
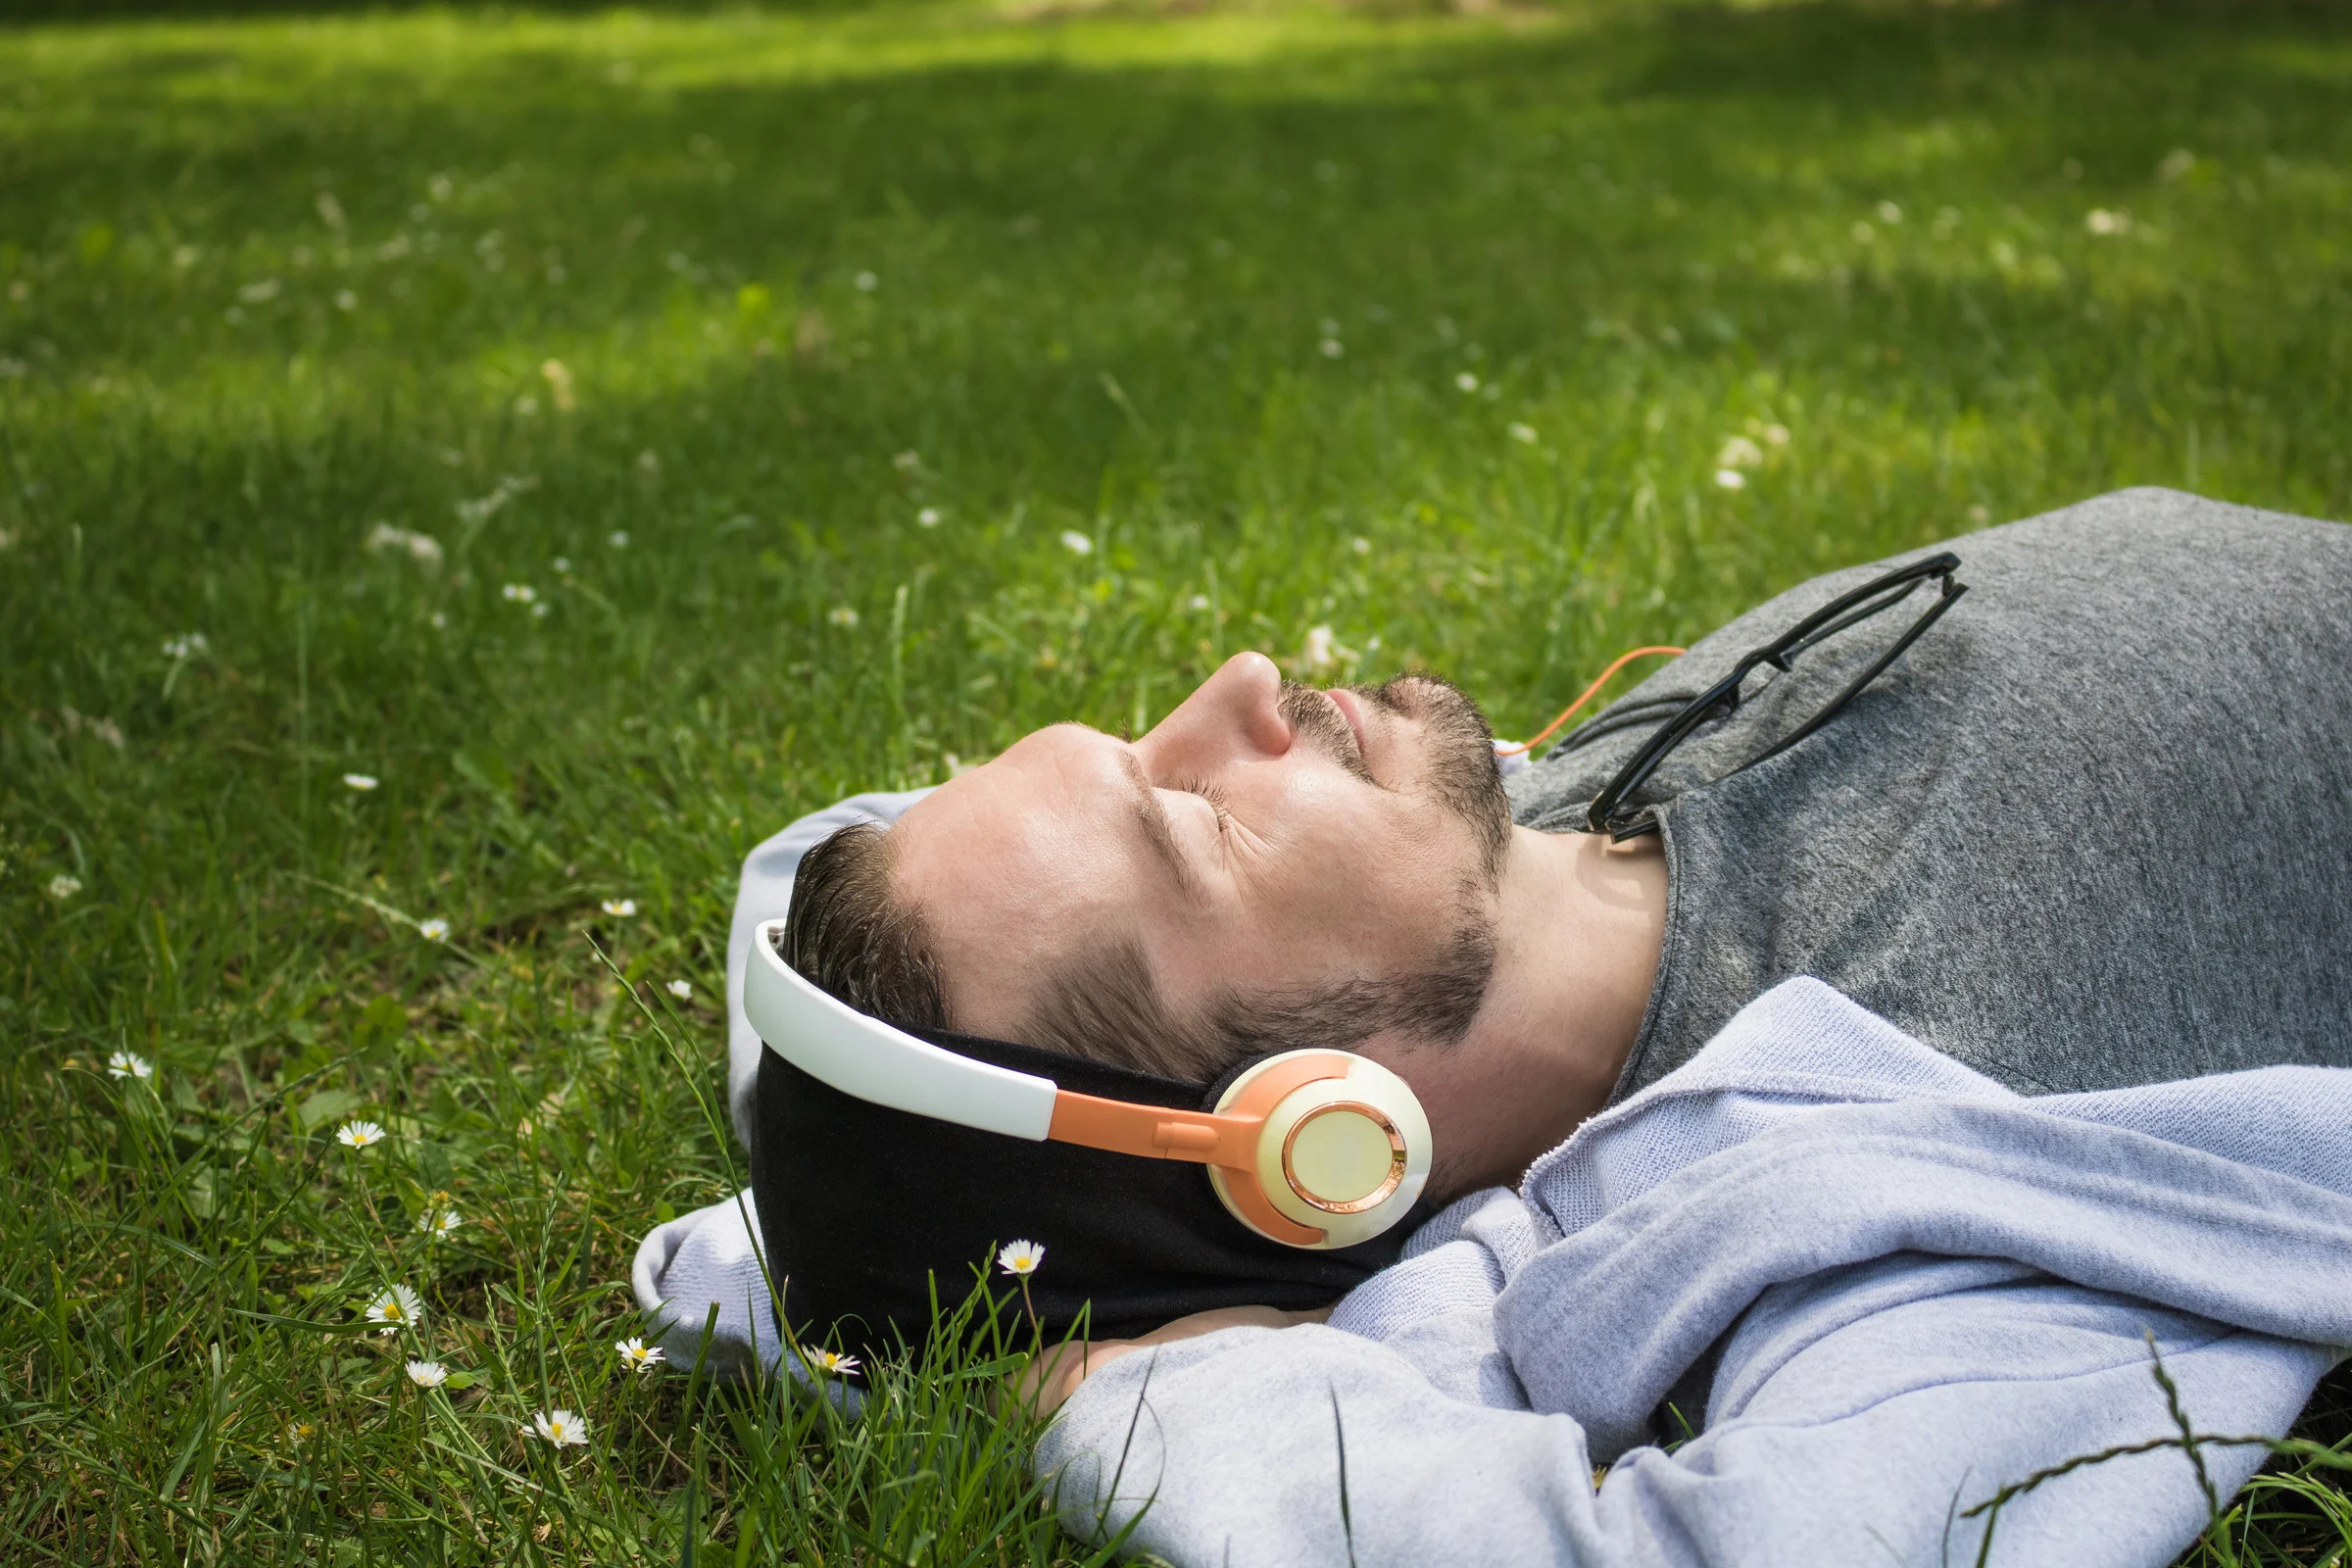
{"x": 1590, "y": 692}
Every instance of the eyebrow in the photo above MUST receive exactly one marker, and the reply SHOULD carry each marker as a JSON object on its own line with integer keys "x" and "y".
{"x": 1152, "y": 818}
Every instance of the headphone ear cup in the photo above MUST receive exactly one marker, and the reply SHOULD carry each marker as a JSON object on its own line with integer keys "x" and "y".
{"x": 1213, "y": 1098}
{"x": 1344, "y": 1148}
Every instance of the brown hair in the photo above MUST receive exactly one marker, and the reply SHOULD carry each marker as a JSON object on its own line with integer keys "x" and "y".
{"x": 850, "y": 934}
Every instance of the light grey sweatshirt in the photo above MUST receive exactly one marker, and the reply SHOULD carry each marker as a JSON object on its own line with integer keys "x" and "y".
{"x": 1878, "y": 1284}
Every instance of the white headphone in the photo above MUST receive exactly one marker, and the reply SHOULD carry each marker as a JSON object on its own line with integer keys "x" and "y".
{"x": 1313, "y": 1149}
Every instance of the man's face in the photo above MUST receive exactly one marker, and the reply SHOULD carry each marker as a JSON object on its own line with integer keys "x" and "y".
{"x": 1263, "y": 840}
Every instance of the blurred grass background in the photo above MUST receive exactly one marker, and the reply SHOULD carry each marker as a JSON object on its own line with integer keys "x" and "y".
{"x": 615, "y": 432}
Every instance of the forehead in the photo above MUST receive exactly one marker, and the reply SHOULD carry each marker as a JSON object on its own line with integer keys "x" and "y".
{"x": 1048, "y": 786}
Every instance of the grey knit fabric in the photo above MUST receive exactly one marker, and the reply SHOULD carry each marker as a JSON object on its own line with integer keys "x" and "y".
{"x": 2095, "y": 829}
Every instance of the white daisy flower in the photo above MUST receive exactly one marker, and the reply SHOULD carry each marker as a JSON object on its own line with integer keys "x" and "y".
{"x": 1524, "y": 435}
{"x": 842, "y": 616}
{"x": 1076, "y": 543}
{"x": 1890, "y": 213}
{"x": 427, "y": 1374}
{"x": 866, "y": 282}
{"x": 679, "y": 989}
{"x": 106, "y": 729}
{"x": 362, "y": 782}
{"x": 618, "y": 538}
{"x": 186, "y": 647}
{"x": 1466, "y": 381}
{"x": 1738, "y": 453}
{"x": 620, "y": 908}
{"x": 433, "y": 930}
{"x": 358, "y": 1134}
{"x": 1321, "y": 651}
{"x": 1332, "y": 348}
{"x": 438, "y": 1223}
{"x": 907, "y": 461}
{"x": 62, "y": 887}
{"x": 1731, "y": 479}
{"x": 832, "y": 1363}
{"x": 928, "y": 518}
{"x": 1020, "y": 1258}
{"x": 639, "y": 1357}
{"x": 520, "y": 593}
{"x": 422, "y": 548}
{"x": 397, "y": 1308}
{"x": 122, "y": 1064}
{"x": 561, "y": 1428}
{"x": 299, "y": 1430}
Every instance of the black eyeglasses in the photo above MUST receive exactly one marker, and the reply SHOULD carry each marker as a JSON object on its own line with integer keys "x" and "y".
{"x": 1608, "y": 812}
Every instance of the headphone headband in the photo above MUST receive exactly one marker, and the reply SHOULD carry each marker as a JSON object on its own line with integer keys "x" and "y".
{"x": 1250, "y": 1143}
{"x": 834, "y": 1042}
{"x": 862, "y": 1056}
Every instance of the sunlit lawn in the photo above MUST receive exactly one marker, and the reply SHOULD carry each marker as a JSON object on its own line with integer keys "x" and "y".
{"x": 616, "y": 434}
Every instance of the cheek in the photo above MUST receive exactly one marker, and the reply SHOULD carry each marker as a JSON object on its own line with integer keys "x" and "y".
{"x": 1363, "y": 885}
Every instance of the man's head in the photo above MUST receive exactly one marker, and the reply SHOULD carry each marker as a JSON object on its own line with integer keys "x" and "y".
{"x": 1270, "y": 867}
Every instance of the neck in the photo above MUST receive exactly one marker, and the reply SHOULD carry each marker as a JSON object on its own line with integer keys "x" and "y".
{"x": 1577, "y": 934}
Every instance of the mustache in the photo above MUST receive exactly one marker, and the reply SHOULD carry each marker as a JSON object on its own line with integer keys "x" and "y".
{"x": 1459, "y": 754}
{"x": 1312, "y": 718}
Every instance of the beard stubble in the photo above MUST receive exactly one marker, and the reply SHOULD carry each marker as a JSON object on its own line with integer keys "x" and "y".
{"x": 1436, "y": 1002}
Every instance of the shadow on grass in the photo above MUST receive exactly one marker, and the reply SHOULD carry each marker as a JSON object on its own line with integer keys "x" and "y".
{"x": 113, "y": 10}
{"x": 1668, "y": 195}
{"x": 1143, "y": 220}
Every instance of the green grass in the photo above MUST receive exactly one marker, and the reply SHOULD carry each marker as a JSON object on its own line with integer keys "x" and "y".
{"x": 1427, "y": 328}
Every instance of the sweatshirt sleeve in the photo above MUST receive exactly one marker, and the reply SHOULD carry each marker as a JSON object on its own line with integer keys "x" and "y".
{"x": 1857, "y": 1433}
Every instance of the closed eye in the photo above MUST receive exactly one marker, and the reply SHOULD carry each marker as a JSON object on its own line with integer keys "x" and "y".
{"x": 1207, "y": 791}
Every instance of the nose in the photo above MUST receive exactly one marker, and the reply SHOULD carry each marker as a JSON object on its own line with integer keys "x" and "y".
{"x": 1234, "y": 716}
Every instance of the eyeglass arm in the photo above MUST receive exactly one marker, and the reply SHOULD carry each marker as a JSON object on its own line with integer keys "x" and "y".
{"x": 1601, "y": 817}
{"x": 1943, "y": 602}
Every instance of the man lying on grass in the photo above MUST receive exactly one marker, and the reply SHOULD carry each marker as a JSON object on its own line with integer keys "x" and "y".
{"x": 1867, "y": 995}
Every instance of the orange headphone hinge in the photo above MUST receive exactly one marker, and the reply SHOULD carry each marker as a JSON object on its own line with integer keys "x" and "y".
{"x": 1161, "y": 1132}
{"x": 1154, "y": 1132}
{"x": 1203, "y": 1137}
